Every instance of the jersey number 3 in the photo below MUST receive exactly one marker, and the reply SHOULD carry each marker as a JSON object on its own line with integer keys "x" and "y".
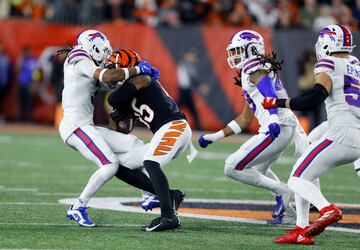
{"x": 352, "y": 91}
{"x": 144, "y": 112}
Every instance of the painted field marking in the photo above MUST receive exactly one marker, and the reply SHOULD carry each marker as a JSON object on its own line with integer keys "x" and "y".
{"x": 116, "y": 204}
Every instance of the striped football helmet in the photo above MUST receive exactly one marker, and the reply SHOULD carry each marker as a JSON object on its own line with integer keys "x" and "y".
{"x": 334, "y": 38}
{"x": 242, "y": 45}
{"x": 95, "y": 44}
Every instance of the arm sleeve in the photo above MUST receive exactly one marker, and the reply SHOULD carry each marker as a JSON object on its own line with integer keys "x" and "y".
{"x": 266, "y": 88}
{"x": 309, "y": 101}
{"x": 122, "y": 95}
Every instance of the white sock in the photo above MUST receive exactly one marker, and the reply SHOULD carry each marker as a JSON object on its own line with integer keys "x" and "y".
{"x": 302, "y": 211}
{"x": 308, "y": 191}
{"x": 255, "y": 178}
{"x": 270, "y": 174}
{"x": 96, "y": 181}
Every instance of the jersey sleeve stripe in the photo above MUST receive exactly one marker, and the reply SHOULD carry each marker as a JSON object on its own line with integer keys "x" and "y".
{"x": 318, "y": 65}
{"x": 77, "y": 55}
{"x": 246, "y": 70}
{"x": 76, "y": 51}
{"x": 326, "y": 61}
{"x": 249, "y": 62}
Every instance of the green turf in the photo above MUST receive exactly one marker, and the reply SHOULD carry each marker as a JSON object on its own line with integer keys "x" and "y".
{"x": 38, "y": 170}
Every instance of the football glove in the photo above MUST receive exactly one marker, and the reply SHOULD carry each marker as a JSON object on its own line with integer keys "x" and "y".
{"x": 155, "y": 73}
{"x": 269, "y": 103}
{"x": 203, "y": 142}
{"x": 145, "y": 67}
{"x": 274, "y": 130}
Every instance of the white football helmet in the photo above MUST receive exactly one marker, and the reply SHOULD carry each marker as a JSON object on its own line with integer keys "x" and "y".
{"x": 242, "y": 45}
{"x": 334, "y": 38}
{"x": 96, "y": 44}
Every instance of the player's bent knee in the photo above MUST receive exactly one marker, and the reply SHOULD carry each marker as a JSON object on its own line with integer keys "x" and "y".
{"x": 110, "y": 170}
{"x": 229, "y": 169}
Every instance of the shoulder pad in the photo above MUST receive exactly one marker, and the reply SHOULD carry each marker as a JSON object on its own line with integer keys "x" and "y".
{"x": 324, "y": 65}
{"x": 77, "y": 55}
{"x": 253, "y": 64}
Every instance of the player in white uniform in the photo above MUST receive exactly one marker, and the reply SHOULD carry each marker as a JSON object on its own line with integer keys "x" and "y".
{"x": 82, "y": 77}
{"x": 251, "y": 163}
{"x": 318, "y": 133}
{"x": 337, "y": 78}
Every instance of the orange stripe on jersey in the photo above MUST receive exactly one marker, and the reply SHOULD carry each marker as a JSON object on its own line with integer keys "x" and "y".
{"x": 180, "y": 127}
{"x": 176, "y": 122}
{"x": 160, "y": 150}
{"x": 172, "y": 134}
{"x": 167, "y": 141}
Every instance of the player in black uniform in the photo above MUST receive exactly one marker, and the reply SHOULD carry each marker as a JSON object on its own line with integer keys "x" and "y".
{"x": 149, "y": 102}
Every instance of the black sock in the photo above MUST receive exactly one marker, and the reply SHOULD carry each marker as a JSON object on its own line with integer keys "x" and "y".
{"x": 136, "y": 178}
{"x": 161, "y": 186}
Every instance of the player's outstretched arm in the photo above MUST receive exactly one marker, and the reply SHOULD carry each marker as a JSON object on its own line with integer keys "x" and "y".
{"x": 311, "y": 100}
{"x": 234, "y": 127}
{"x": 111, "y": 76}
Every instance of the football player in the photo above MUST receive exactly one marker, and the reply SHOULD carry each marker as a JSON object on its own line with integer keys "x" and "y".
{"x": 83, "y": 73}
{"x": 250, "y": 164}
{"x": 149, "y": 101}
{"x": 319, "y": 131}
{"x": 337, "y": 83}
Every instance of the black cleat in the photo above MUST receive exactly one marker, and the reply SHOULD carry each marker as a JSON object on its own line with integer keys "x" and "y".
{"x": 162, "y": 224}
{"x": 177, "y": 197}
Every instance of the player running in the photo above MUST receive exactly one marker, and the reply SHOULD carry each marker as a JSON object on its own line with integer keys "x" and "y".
{"x": 83, "y": 73}
{"x": 337, "y": 83}
{"x": 250, "y": 164}
{"x": 145, "y": 97}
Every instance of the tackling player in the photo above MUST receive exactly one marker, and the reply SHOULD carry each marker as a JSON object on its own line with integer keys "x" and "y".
{"x": 83, "y": 73}
{"x": 251, "y": 163}
{"x": 337, "y": 78}
{"x": 172, "y": 134}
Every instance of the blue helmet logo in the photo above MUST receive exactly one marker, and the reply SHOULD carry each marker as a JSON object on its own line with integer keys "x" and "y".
{"x": 249, "y": 36}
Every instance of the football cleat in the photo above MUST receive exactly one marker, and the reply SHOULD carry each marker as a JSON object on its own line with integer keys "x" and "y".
{"x": 150, "y": 202}
{"x": 162, "y": 224}
{"x": 279, "y": 207}
{"x": 276, "y": 220}
{"x": 328, "y": 215}
{"x": 80, "y": 216}
{"x": 177, "y": 197}
{"x": 296, "y": 236}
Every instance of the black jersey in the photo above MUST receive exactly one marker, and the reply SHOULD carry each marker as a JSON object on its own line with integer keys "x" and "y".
{"x": 154, "y": 107}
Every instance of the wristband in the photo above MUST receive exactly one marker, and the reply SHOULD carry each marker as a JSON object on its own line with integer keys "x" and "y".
{"x": 126, "y": 72}
{"x": 234, "y": 127}
{"x": 102, "y": 74}
{"x": 273, "y": 119}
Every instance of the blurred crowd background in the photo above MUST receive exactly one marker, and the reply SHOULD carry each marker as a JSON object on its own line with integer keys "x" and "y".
{"x": 283, "y": 14}
{"x": 38, "y": 78}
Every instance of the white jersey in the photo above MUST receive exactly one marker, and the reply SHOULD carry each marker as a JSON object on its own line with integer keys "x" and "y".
{"x": 78, "y": 92}
{"x": 254, "y": 97}
{"x": 343, "y": 102}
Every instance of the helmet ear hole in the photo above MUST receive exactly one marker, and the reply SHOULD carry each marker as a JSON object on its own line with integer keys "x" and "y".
{"x": 97, "y": 50}
{"x": 326, "y": 46}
